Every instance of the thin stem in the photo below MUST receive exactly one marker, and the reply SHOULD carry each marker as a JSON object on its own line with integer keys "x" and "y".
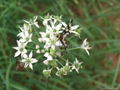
{"x": 47, "y": 83}
{"x": 116, "y": 73}
{"x": 63, "y": 60}
{"x": 7, "y": 76}
{"x": 73, "y": 48}
{"x": 70, "y": 49}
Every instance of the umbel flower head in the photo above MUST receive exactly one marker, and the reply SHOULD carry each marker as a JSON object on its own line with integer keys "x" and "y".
{"x": 49, "y": 41}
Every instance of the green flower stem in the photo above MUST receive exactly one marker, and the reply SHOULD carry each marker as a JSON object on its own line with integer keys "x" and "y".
{"x": 116, "y": 74}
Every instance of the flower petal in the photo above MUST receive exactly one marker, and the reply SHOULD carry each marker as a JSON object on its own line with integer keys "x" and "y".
{"x": 17, "y": 53}
{"x": 25, "y": 56}
{"x": 74, "y": 27}
{"x": 30, "y": 55}
{"x": 30, "y": 65}
{"x": 58, "y": 26}
{"x": 16, "y": 48}
{"x": 34, "y": 60}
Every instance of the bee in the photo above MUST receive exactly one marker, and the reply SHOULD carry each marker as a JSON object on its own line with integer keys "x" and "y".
{"x": 20, "y": 66}
{"x": 65, "y": 33}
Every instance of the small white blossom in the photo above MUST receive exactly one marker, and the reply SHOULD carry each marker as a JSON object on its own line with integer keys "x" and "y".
{"x": 85, "y": 46}
{"x": 43, "y": 51}
{"x": 50, "y": 39}
{"x": 33, "y": 21}
{"x": 20, "y": 49}
{"x": 76, "y": 65}
{"x": 37, "y": 49}
{"x": 46, "y": 19}
{"x": 24, "y": 28}
{"x": 49, "y": 58}
{"x": 44, "y": 37}
{"x": 58, "y": 44}
{"x": 26, "y": 36}
{"x": 54, "y": 24}
{"x": 46, "y": 62}
{"x": 28, "y": 60}
{"x": 51, "y": 42}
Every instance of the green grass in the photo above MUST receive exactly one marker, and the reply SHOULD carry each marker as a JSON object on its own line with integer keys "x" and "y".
{"x": 100, "y": 20}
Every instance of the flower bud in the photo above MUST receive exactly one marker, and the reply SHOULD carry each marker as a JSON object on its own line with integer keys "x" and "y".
{"x": 66, "y": 68}
{"x": 53, "y": 63}
{"x": 47, "y": 73}
{"x": 60, "y": 72}
{"x": 52, "y": 52}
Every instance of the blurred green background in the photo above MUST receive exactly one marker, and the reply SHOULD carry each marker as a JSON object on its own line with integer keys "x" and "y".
{"x": 101, "y": 22}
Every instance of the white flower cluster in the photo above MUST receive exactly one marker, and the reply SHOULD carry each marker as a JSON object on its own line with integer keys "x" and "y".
{"x": 25, "y": 36}
{"x": 51, "y": 43}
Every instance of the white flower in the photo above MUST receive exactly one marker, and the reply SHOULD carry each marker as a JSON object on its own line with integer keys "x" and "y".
{"x": 50, "y": 39}
{"x": 46, "y": 62}
{"x": 28, "y": 60}
{"x": 20, "y": 49}
{"x": 76, "y": 65}
{"x": 51, "y": 42}
{"x": 49, "y": 58}
{"x": 85, "y": 46}
{"x": 33, "y": 21}
{"x": 46, "y": 19}
{"x": 43, "y": 51}
{"x": 24, "y": 28}
{"x": 26, "y": 36}
{"x": 54, "y": 23}
{"x": 58, "y": 44}
{"x": 37, "y": 49}
{"x": 44, "y": 37}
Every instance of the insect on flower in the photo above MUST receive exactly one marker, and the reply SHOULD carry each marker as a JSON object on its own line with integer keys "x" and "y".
{"x": 67, "y": 29}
